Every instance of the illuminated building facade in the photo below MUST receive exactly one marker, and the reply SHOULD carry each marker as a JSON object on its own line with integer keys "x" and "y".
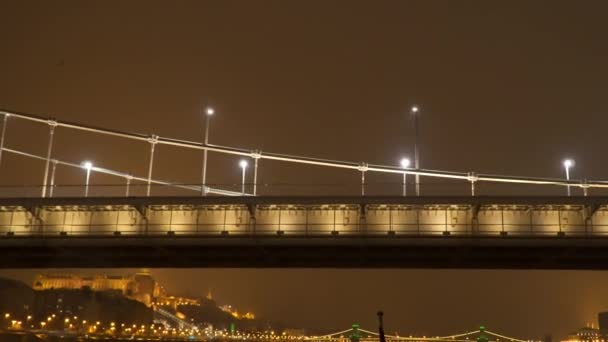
{"x": 140, "y": 286}
{"x": 587, "y": 334}
{"x": 229, "y": 309}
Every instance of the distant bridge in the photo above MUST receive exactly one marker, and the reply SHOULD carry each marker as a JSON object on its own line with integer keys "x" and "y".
{"x": 358, "y": 334}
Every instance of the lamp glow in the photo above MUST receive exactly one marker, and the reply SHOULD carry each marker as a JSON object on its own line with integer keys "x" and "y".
{"x": 209, "y": 111}
{"x": 87, "y": 165}
{"x": 405, "y": 163}
{"x": 568, "y": 163}
{"x": 243, "y": 165}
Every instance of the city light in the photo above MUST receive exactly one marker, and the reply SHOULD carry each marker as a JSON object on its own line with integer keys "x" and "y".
{"x": 243, "y": 164}
{"x": 405, "y": 163}
{"x": 209, "y": 111}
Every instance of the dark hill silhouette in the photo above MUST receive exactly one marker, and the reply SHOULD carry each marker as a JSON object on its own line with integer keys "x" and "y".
{"x": 20, "y": 300}
{"x": 15, "y": 297}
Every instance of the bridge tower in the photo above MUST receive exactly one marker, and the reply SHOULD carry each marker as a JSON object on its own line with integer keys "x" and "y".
{"x": 483, "y": 337}
{"x": 355, "y": 335}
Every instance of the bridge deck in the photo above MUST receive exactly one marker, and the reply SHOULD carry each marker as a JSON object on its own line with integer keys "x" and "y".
{"x": 429, "y": 232}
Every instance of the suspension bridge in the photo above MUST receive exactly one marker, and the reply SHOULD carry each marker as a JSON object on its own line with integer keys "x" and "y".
{"x": 356, "y": 334}
{"x": 142, "y": 222}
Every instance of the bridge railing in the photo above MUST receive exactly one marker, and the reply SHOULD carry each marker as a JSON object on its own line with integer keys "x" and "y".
{"x": 137, "y": 189}
{"x": 451, "y": 182}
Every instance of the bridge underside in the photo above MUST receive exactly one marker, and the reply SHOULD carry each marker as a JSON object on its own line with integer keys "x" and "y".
{"x": 351, "y": 252}
{"x": 370, "y": 232}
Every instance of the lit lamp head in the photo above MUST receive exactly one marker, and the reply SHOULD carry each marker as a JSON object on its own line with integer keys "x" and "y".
{"x": 87, "y": 165}
{"x": 243, "y": 164}
{"x": 415, "y": 109}
{"x": 568, "y": 163}
{"x": 405, "y": 163}
{"x": 209, "y": 111}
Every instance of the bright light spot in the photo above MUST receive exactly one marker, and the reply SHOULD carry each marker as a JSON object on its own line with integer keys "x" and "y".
{"x": 210, "y": 111}
{"x": 568, "y": 163}
{"x": 415, "y": 109}
{"x": 87, "y": 165}
{"x": 405, "y": 163}
{"x": 243, "y": 164}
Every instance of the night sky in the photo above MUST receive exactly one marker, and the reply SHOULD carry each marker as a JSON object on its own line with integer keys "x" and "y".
{"x": 505, "y": 87}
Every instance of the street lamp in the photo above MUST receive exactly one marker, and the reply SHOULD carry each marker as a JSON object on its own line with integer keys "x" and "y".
{"x": 405, "y": 163}
{"x": 243, "y": 164}
{"x": 87, "y": 165}
{"x": 208, "y": 114}
{"x": 414, "y": 112}
{"x": 568, "y": 163}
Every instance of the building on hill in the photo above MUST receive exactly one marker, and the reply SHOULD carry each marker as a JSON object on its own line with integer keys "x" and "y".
{"x": 587, "y": 334}
{"x": 229, "y": 309}
{"x": 140, "y": 286}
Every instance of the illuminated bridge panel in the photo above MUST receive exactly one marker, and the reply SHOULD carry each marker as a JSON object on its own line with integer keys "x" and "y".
{"x": 294, "y": 219}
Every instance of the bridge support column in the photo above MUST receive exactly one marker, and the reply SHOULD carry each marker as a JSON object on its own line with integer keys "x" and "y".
{"x": 585, "y": 187}
{"x": 252, "y": 219}
{"x": 152, "y": 140}
{"x": 52, "y": 125}
{"x": 256, "y": 156}
{"x": 52, "y": 185}
{"x": 363, "y": 169}
{"x": 588, "y": 213}
{"x": 128, "y": 186}
{"x": 472, "y": 178}
{"x": 34, "y": 212}
{"x": 475, "y": 217}
{"x": 3, "y": 134}
{"x": 362, "y": 217}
